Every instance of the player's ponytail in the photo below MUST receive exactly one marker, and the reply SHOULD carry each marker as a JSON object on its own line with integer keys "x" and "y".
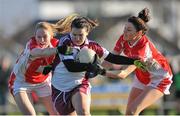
{"x": 144, "y": 15}
{"x": 64, "y": 25}
{"x": 93, "y": 23}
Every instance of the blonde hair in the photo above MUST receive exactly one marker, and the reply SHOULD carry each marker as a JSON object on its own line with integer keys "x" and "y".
{"x": 46, "y": 26}
{"x": 62, "y": 26}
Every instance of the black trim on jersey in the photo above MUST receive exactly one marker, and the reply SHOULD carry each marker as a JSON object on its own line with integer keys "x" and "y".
{"x": 73, "y": 66}
{"x": 56, "y": 61}
{"x": 119, "y": 59}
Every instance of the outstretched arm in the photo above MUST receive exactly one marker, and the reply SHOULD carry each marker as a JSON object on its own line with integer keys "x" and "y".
{"x": 92, "y": 69}
{"x": 70, "y": 65}
{"x": 43, "y": 52}
{"x": 38, "y": 52}
{"x": 121, "y": 73}
{"x": 119, "y": 59}
{"x": 73, "y": 66}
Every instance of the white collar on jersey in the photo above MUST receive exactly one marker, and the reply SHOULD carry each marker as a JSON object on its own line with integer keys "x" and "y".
{"x": 132, "y": 45}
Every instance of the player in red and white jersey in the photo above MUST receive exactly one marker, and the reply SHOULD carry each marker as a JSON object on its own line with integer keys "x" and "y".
{"x": 70, "y": 85}
{"x": 27, "y": 76}
{"x": 151, "y": 83}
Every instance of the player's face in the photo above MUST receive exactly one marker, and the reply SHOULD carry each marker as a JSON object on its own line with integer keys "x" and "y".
{"x": 130, "y": 33}
{"x": 43, "y": 37}
{"x": 79, "y": 35}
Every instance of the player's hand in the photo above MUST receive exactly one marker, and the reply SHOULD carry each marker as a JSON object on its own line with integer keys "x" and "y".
{"x": 91, "y": 70}
{"x": 101, "y": 70}
{"x": 94, "y": 70}
{"x": 64, "y": 49}
{"x": 47, "y": 69}
{"x": 152, "y": 64}
{"x": 90, "y": 74}
{"x": 140, "y": 64}
{"x": 92, "y": 67}
{"x": 148, "y": 65}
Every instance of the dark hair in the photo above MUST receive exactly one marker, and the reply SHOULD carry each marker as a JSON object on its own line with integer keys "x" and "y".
{"x": 81, "y": 22}
{"x": 140, "y": 21}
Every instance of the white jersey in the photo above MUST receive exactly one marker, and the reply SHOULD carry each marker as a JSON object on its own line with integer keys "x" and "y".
{"x": 64, "y": 80}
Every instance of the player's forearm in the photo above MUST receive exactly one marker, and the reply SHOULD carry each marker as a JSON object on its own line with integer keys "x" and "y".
{"x": 109, "y": 66}
{"x": 119, "y": 74}
{"x": 73, "y": 66}
{"x": 118, "y": 59}
{"x": 37, "y": 52}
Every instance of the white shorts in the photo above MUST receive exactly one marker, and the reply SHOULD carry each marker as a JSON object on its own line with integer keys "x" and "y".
{"x": 42, "y": 89}
{"x": 157, "y": 83}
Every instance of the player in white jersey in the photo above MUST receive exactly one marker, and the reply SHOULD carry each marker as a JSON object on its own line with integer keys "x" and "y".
{"x": 70, "y": 85}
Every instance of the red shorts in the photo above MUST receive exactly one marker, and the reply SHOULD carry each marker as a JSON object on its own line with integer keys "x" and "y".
{"x": 62, "y": 100}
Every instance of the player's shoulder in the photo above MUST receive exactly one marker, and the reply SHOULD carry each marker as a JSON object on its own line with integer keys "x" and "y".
{"x": 143, "y": 42}
{"x": 92, "y": 42}
{"x": 121, "y": 37}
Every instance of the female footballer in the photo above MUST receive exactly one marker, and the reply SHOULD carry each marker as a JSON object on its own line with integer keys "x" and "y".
{"x": 153, "y": 82}
{"x": 70, "y": 85}
{"x": 27, "y": 76}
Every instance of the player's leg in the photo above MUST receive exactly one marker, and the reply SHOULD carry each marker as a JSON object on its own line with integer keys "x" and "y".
{"x": 135, "y": 92}
{"x": 137, "y": 89}
{"x": 149, "y": 96}
{"x": 44, "y": 92}
{"x": 24, "y": 102}
{"x": 47, "y": 102}
{"x": 81, "y": 103}
{"x": 62, "y": 101}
